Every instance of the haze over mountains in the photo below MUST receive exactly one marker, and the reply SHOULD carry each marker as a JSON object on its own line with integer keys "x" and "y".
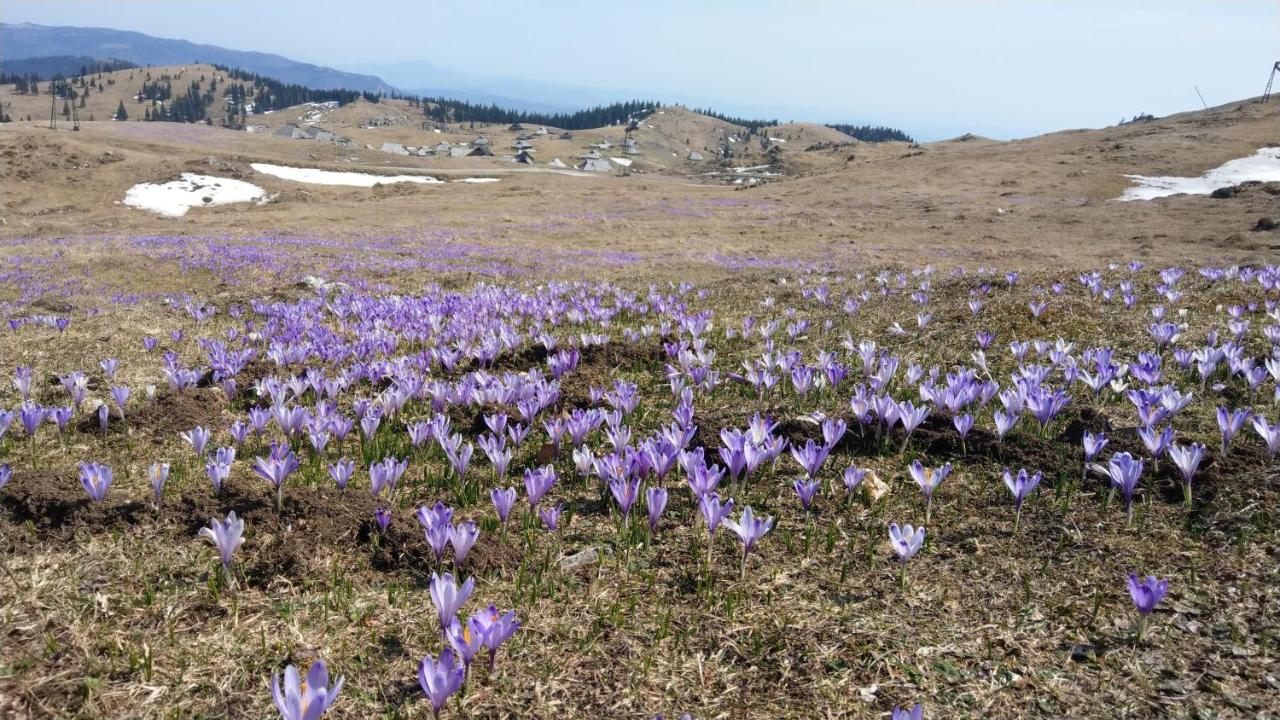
{"x": 22, "y": 41}
{"x": 27, "y": 40}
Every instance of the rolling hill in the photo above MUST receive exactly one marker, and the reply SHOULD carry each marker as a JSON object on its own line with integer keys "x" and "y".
{"x": 26, "y": 40}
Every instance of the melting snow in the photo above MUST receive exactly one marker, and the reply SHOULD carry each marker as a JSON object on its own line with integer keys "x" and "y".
{"x": 477, "y": 180}
{"x": 330, "y": 177}
{"x": 174, "y": 198}
{"x": 1263, "y": 165}
{"x": 624, "y": 162}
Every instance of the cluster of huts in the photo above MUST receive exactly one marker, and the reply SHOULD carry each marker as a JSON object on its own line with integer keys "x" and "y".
{"x": 477, "y": 148}
{"x": 293, "y": 131}
{"x": 593, "y": 160}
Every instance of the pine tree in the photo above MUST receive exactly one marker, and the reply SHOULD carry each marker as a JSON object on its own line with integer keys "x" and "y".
{"x": 121, "y": 113}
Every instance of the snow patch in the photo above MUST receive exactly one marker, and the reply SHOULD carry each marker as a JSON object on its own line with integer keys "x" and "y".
{"x": 1263, "y": 166}
{"x": 176, "y": 197}
{"x": 477, "y": 180}
{"x": 331, "y": 177}
{"x": 624, "y": 162}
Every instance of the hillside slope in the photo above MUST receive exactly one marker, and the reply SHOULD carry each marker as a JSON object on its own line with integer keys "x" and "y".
{"x": 23, "y": 40}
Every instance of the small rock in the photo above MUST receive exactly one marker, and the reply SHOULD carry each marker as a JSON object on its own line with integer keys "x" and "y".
{"x": 874, "y": 487}
{"x": 1223, "y": 193}
{"x": 587, "y": 557}
{"x": 1265, "y": 223}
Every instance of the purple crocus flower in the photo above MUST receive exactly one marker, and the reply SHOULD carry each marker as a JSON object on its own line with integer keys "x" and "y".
{"x": 440, "y": 679}
{"x": 853, "y": 477}
{"x": 227, "y": 535}
{"x": 219, "y": 467}
{"x": 342, "y": 471}
{"x": 197, "y": 438}
{"x": 911, "y": 418}
{"x": 382, "y": 517}
{"x": 436, "y": 528}
{"x": 928, "y": 480}
{"x": 466, "y": 640}
{"x": 915, "y": 713}
{"x": 159, "y": 475}
{"x": 120, "y": 394}
{"x": 497, "y": 629}
{"x": 503, "y": 500}
{"x": 449, "y": 597}
{"x": 1269, "y": 433}
{"x": 298, "y": 700}
{"x": 1230, "y": 422}
{"x": 906, "y": 542}
{"x": 386, "y": 474}
{"x": 749, "y": 529}
{"x": 810, "y": 457}
{"x": 96, "y": 479}
{"x": 1020, "y": 486}
{"x": 713, "y": 511}
{"x": 1146, "y": 594}
{"x": 1093, "y": 444}
{"x": 1004, "y": 422}
{"x": 6, "y": 474}
{"x": 463, "y": 537}
{"x": 1187, "y": 459}
{"x": 537, "y": 483}
{"x": 369, "y": 424}
{"x": 1125, "y": 471}
{"x": 625, "y": 492}
{"x": 655, "y": 501}
{"x": 275, "y": 468}
{"x": 550, "y": 516}
{"x": 832, "y": 431}
{"x": 1156, "y": 441}
{"x": 32, "y": 416}
{"x": 963, "y": 423}
{"x": 704, "y": 480}
{"x": 61, "y": 416}
{"x": 806, "y": 490}
{"x": 460, "y": 459}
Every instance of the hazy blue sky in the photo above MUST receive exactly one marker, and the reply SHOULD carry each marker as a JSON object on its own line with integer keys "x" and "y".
{"x": 1002, "y": 68}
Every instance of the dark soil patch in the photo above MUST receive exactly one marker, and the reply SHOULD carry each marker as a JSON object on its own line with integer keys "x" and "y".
{"x": 170, "y": 413}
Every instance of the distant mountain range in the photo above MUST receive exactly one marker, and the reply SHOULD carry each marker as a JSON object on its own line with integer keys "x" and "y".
{"x": 25, "y": 40}
{"x": 64, "y": 49}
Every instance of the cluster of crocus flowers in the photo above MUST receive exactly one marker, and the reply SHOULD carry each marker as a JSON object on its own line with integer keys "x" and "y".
{"x": 440, "y": 677}
{"x": 440, "y": 532}
{"x": 451, "y": 332}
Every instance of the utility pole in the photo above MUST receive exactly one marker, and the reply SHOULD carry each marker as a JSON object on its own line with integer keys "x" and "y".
{"x": 1266, "y": 94}
{"x": 53, "y": 107}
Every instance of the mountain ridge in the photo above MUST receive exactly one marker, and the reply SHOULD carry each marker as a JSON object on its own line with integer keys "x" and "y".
{"x": 28, "y": 40}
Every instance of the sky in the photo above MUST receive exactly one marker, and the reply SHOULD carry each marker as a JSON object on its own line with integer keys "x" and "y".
{"x": 999, "y": 68}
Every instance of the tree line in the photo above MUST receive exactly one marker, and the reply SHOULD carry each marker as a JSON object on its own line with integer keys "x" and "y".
{"x": 872, "y": 133}
{"x": 459, "y": 111}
